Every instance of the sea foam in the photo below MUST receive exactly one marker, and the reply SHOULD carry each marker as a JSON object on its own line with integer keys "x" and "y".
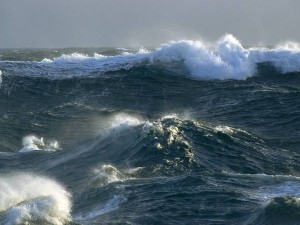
{"x": 227, "y": 59}
{"x": 107, "y": 174}
{"x": 27, "y": 197}
{"x": 33, "y": 143}
{"x": 224, "y": 59}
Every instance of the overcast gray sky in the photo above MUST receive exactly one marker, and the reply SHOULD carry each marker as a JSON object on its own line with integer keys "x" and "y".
{"x": 131, "y": 23}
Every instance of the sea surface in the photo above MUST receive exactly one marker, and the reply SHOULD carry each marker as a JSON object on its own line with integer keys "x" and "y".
{"x": 187, "y": 133}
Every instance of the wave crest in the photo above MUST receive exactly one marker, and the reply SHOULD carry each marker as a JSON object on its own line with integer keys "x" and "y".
{"x": 225, "y": 59}
{"x": 26, "y": 197}
{"x": 33, "y": 143}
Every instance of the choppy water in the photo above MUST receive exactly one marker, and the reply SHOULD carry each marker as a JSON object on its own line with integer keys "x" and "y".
{"x": 184, "y": 134}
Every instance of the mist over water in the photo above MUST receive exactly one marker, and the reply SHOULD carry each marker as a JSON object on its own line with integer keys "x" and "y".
{"x": 190, "y": 132}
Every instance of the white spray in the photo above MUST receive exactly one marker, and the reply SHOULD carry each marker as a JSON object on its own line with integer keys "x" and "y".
{"x": 25, "y": 197}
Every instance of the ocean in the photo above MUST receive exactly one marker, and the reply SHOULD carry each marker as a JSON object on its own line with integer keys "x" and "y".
{"x": 187, "y": 133}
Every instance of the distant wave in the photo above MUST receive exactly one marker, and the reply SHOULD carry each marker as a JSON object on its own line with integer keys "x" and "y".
{"x": 225, "y": 59}
{"x": 228, "y": 59}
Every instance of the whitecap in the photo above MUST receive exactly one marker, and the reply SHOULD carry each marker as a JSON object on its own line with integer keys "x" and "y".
{"x": 122, "y": 121}
{"x": 225, "y": 59}
{"x": 119, "y": 122}
{"x": 34, "y": 143}
{"x": 106, "y": 174}
{"x": 27, "y": 197}
{"x": 224, "y": 129}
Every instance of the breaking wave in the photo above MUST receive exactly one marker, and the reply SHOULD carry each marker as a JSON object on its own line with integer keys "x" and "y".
{"x": 33, "y": 143}
{"x": 226, "y": 59}
{"x": 122, "y": 121}
{"x": 31, "y": 199}
{"x": 228, "y": 155}
{"x": 107, "y": 174}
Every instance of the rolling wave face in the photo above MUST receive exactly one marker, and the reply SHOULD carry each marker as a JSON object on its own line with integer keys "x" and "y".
{"x": 278, "y": 210}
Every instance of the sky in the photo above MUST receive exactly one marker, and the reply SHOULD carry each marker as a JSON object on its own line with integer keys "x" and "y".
{"x": 149, "y": 23}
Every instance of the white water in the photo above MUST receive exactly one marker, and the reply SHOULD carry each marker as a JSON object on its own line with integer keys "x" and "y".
{"x": 97, "y": 62}
{"x": 26, "y": 197}
{"x": 225, "y": 59}
{"x": 33, "y": 143}
{"x": 119, "y": 122}
{"x": 224, "y": 129}
{"x": 107, "y": 174}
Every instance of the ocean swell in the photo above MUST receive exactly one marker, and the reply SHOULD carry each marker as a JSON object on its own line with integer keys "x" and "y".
{"x": 225, "y": 59}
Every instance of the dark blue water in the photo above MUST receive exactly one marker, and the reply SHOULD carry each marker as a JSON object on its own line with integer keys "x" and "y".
{"x": 121, "y": 137}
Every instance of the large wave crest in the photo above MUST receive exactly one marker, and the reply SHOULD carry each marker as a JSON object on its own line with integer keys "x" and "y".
{"x": 224, "y": 59}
